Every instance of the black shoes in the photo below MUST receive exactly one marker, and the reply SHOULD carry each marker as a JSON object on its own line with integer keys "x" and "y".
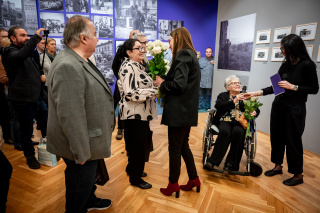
{"x": 208, "y": 166}
{"x": 34, "y": 143}
{"x": 18, "y": 148}
{"x": 293, "y": 182}
{"x": 273, "y": 172}
{"x": 100, "y": 204}
{"x": 33, "y": 163}
{"x": 143, "y": 185}
{"x": 119, "y": 134}
{"x": 9, "y": 141}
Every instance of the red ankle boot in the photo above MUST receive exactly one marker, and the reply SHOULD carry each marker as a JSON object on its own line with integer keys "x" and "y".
{"x": 192, "y": 183}
{"x": 170, "y": 189}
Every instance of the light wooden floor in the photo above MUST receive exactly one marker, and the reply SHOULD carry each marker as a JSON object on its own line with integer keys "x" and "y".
{"x": 43, "y": 190}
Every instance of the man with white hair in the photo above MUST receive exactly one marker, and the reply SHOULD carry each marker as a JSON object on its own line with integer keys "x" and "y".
{"x": 81, "y": 115}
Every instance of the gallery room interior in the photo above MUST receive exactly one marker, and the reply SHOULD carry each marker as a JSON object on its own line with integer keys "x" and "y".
{"x": 245, "y": 37}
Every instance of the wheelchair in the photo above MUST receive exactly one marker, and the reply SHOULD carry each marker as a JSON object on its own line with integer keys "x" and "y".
{"x": 250, "y": 145}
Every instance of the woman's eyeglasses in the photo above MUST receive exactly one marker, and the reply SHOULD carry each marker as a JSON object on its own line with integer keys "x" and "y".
{"x": 141, "y": 49}
{"x": 234, "y": 83}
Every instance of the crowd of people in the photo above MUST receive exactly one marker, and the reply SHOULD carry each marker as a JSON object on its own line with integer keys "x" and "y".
{"x": 76, "y": 90}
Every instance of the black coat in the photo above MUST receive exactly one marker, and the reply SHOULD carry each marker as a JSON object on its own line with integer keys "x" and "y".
{"x": 181, "y": 90}
{"x": 22, "y": 71}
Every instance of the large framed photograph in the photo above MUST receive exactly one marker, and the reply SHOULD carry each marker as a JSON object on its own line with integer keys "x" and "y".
{"x": 263, "y": 36}
{"x": 280, "y": 33}
{"x": 276, "y": 54}
{"x": 56, "y": 5}
{"x": 103, "y": 25}
{"x": 261, "y": 54}
{"x": 54, "y": 22}
{"x": 104, "y": 57}
{"x": 79, "y": 6}
{"x": 103, "y": 6}
{"x": 307, "y": 31}
{"x": 318, "y": 57}
{"x": 309, "y": 50}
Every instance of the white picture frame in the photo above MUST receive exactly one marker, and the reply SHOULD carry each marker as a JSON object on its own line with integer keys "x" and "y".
{"x": 309, "y": 50}
{"x": 280, "y": 33}
{"x": 276, "y": 54}
{"x": 307, "y": 31}
{"x": 261, "y": 54}
{"x": 318, "y": 57}
{"x": 263, "y": 36}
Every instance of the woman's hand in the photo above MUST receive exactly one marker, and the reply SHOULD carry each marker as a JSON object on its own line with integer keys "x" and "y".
{"x": 239, "y": 97}
{"x": 285, "y": 85}
{"x": 158, "y": 81}
{"x": 254, "y": 113}
{"x": 43, "y": 78}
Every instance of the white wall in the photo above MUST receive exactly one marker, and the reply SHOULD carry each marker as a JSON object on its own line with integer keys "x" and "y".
{"x": 270, "y": 15}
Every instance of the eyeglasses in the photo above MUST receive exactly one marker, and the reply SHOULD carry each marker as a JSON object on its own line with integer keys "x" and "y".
{"x": 234, "y": 83}
{"x": 141, "y": 49}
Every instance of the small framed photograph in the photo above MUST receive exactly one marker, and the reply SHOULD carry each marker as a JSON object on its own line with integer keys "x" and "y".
{"x": 307, "y": 31}
{"x": 276, "y": 54}
{"x": 280, "y": 33}
{"x": 261, "y": 54}
{"x": 263, "y": 36}
{"x": 309, "y": 50}
{"x": 318, "y": 57}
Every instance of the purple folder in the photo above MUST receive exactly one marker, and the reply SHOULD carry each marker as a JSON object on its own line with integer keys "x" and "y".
{"x": 275, "y": 80}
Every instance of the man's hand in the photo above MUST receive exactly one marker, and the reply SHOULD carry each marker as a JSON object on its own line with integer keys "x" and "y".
{"x": 39, "y": 31}
{"x": 82, "y": 163}
{"x": 212, "y": 62}
{"x": 43, "y": 78}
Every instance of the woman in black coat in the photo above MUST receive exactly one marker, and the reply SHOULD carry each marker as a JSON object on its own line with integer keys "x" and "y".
{"x": 288, "y": 112}
{"x": 181, "y": 91}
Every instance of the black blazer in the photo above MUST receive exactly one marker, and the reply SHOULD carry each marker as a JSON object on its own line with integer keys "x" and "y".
{"x": 181, "y": 90}
{"x": 224, "y": 104}
{"x": 22, "y": 71}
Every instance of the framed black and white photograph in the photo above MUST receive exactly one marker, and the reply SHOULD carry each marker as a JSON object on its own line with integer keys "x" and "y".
{"x": 118, "y": 43}
{"x": 54, "y": 22}
{"x": 102, "y": 6}
{"x": 104, "y": 58}
{"x": 79, "y": 6}
{"x": 165, "y": 27}
{"x": 261, "y": 54}
{"x": 309, "y": 50}
{"x": 236, "y": 43}
{"x": 263, "y": 36}
{"x": 136, "y": 15}
{"x": 55, "y": 5}
{"x": 69, "y": 15}
{"x": 276, "y": 54}
{"x": 318, "y": 56}
{"x": 103, "y": 25}
{"x": 307, "y": 31}
{"x": 280, "y": 33}
{"x": 19, "y": 12}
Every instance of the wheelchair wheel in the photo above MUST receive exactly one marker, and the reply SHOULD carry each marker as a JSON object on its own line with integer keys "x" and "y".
{"x": 255, "y": 169}
{"x": 207, "y": 139}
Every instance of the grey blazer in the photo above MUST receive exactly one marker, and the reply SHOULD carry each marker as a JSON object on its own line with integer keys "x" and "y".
{"x": 81, "y": 114}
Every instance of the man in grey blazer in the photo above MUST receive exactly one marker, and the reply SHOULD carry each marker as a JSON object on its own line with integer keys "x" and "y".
{"x": 81, "y": 115}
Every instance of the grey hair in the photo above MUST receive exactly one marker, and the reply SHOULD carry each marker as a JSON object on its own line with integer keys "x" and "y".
{"x": 76, "y": 26}
{"x": 229, "y": 79}
{"x": 138, "y": 35}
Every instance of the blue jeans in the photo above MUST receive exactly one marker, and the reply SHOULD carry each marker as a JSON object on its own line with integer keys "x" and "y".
{"x": 23, "y": 113}
{"x": 204, "y": 98}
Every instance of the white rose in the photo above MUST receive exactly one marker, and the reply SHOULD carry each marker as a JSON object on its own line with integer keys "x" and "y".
{"x": 149, "y": 49}
{"x": 254, "y": 98}
{"x": 156, "y": 50}
{"x": 164, "y": 47}
{"x": 157, "y": 43}
{"x": 151, "y": 52}
{"x": 167, "y": 67}
{"x": 166, "y": 61}
{"x": 150, "y": 44}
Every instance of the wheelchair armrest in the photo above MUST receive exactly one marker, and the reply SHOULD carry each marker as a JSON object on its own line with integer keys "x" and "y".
{"x": 212, "y": 112}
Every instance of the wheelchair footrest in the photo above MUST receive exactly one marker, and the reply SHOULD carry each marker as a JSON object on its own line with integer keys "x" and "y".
{"x": 238, "y": 173}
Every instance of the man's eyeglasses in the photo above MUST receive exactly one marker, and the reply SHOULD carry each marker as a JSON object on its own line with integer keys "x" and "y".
{"x": 141, "y": 49}
{"x": 234, "y": 83}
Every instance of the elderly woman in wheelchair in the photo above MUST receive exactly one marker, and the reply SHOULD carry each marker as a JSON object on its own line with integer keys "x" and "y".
{"x": 229, "y": 106}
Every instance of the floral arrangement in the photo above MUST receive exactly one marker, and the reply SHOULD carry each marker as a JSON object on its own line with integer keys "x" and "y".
{"x": 250, "y": 105}
{"x": 157, "y": 65}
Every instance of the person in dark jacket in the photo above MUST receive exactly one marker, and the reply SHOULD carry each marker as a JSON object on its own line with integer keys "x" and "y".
{"x": 181, "y": 91}
{"x": 288, "y": 112}
{"x": 24, "y": 85}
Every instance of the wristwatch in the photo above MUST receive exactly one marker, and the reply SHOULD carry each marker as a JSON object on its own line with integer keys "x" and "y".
{"x": 295, "y": 87}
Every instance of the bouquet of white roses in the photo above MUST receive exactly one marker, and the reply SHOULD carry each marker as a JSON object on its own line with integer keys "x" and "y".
{"x": 157, "y": 65}
{"x": 250, "y": 105}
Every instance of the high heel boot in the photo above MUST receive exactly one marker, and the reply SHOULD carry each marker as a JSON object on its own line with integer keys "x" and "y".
{"x": 170, "y": 189}
{"x": 192, "y": 183}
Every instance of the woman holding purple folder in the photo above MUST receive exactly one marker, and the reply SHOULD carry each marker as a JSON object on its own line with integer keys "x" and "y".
{"x": 288, "y": 112}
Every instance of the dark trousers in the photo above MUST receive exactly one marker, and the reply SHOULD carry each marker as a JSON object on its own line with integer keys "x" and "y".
{"x": 286, "y": 128}
{"x": 24, "y": 112}
{"x": 5, "y": 117}
{"x": 80, "y": 186}
{"x": 229, "y": 132}
{"x": 179, "y": 146}
{"x": 42, "y": 117}
{"x": 6, "y": 171}
{"x": 136, "y": 136}
{"x": 116, "y": 99}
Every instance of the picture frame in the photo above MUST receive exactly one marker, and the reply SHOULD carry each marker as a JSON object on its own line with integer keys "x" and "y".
{"x": 261, "y": 54}
{"x": 309, "y": 50}
{"x": 307, "y": 31}
{"x": 263, "y": 36}
{"x": 280, "y": 33}
{"x": 318, "y": 57}
{"x": 276, "y": 54}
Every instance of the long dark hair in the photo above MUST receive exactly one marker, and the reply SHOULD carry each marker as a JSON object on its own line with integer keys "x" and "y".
{"x": 121, "y": 54}
{"x": 294, "y": 49}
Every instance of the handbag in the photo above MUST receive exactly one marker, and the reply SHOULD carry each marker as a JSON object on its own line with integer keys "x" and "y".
{"x": 45, "y": 157}
{"x": 242, "y": 120}
{"x": 102, "y": 176}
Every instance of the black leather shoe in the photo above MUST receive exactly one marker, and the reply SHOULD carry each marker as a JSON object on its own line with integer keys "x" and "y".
{"x": 9, "y": 141}
{"x": 208, "y": 166}
{"x": 33, "y": 163}
{"x": 273, "y": 172}
{"x": 34, "y": 143}
{"x": 144, "y": 174}
{"x": 292, "y": 182}
{"x": 18, "y": 148}
{"x": 143, "y": 185}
